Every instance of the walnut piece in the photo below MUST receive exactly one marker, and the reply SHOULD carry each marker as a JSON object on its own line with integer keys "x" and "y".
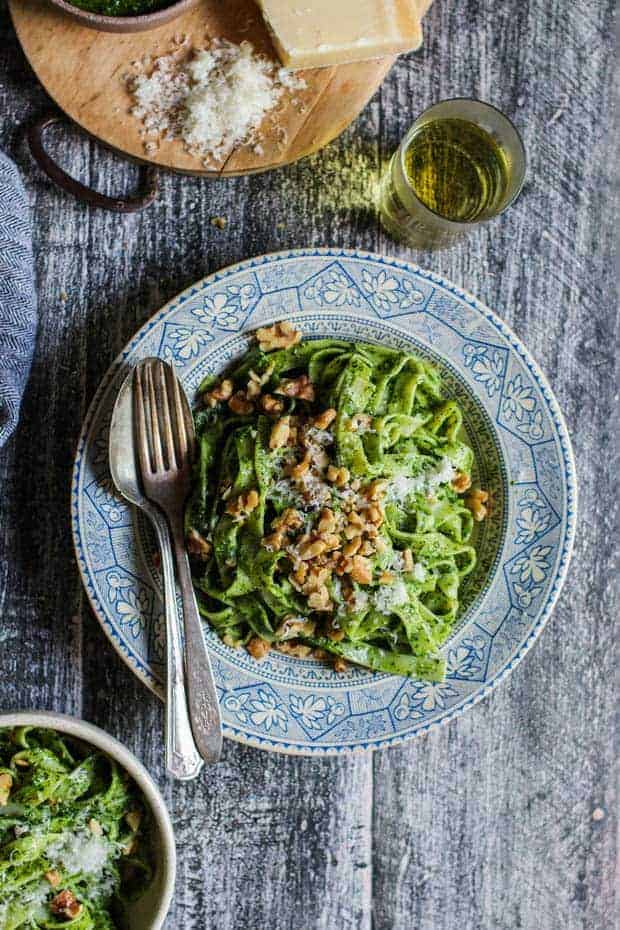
{"x": 361, "y": 570}
{"x": 461, "y": 482}
{"x": 65, "y": 904}
{"x": 476, "y": 501}
{"x": 337, "y": 476}
{"x": 197, "y": 545}
{"x": 240, "y": 404}
{"x": 279, "y": 336}
{"x": 301, "y": 388}
{"x": 258, "y": 648}
{"x": 6, "y": 783}
{"x": 319, "y": 600}
{"x": 340, "y": 665}
{"x": 280, "y": 433}
{"x": 407, "y": 557}
{"x": 52, "y": 877}
{"x": 243, "y": 505}
{"x": 289, "y": 519}
{"x": 270, "y": 405}
{"x": 310, "y": 550}
{"x": 222, "y": 391}
{"x": 292, "y": 648}
{"x": 133, "y": 819}
{"x": 325, "y": 419}
{"x": 293, "y": 626}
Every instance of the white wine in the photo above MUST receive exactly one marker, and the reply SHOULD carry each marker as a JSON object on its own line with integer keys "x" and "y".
{"x": 460, "y": 164}
{"x": 457, "y": 169}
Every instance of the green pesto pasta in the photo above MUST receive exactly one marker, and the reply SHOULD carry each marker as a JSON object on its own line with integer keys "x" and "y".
{"x": 72, "y": 826}
{"x": 331, "y": 508}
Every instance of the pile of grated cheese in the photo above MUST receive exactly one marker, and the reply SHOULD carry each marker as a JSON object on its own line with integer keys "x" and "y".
{"x": 213, "y": 102}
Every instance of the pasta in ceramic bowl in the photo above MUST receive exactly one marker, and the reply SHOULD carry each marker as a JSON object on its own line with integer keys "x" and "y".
{"x": 383, "y": 508}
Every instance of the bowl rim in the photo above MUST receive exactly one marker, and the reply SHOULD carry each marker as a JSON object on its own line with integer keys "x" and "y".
{"x": 100, "y": 739}
{"x": 131, "y": 23}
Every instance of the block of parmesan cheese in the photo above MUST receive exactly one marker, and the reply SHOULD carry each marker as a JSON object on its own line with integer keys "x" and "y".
{"x": 316, "y": 33}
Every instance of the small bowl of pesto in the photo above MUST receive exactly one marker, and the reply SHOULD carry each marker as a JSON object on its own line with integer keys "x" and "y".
{"x": 85, "y": 837}
{"x": 124, "y": 15}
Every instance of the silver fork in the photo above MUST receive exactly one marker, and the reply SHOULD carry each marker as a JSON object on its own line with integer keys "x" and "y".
{"x": 165, "y": 441}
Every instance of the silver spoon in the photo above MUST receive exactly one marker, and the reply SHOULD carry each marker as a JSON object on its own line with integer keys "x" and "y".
{"x": 182, "y": 758}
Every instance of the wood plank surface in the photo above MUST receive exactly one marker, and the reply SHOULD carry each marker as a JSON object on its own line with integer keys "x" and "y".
{"x": 505, "y": 818}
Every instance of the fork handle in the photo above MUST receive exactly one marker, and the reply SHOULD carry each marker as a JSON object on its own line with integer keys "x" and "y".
{"x": 204, "y": 708}
{"x": 182, "y": 758}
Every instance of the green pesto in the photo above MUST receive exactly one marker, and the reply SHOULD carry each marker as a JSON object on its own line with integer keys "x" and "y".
{"x": 121, "y": 7}
{"x": 244, "y": 589}
{"x": 58, "y": 795}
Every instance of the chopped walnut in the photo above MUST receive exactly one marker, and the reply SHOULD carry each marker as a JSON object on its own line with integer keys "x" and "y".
{"x": 273, "y": 541}
{"x": 327, "y": 521}
{"x": 352, "y": 530}
{"x": 289, "y": 519}
{"x": 359, "y": 421}
{"x": 367, "y": 548}
{"x": 320, "y": 600}
{"x": 310, "y": 550}
{"x": 293, "y": 626}
{"x": 352, "y": 547}
{"x": 331, "y": 541}
{"x": 240, "y": 404}
{"x": 300, "y": 574}
{"x": 337, "y": 476}
{"x": 340, "y": 665}
{"x": 243, "y": 505}
{"x": 316, "y": 578}
{"x": 374, "y": 515}
{"x": 333, "y": 632}
{"x": 280, "y": 432}
{"x": 325, "y": 419}
{"x": 461, "y": 482}
{"x": 271, "y": 405}
{"x": 65, "y": 904}
{"x": 386, "y": 578}
{"x": 221, "y": 392}
{"x": 197, "y": 545}
{"x": 279, "y": 336}
{"x": 407, "y": 557}
{"x": 256, "y": 382}
{"x": 376, "y": 489}
{"x": 292, "y": 648}
{"x": 52, "y": 877}
{"x": 133, "y": 819}
{"x": 361, "y": 570}
{"x": 6, "y": 783}
{"x": 301, "y": 387}
{"x": 258, "y": 648}
{"x": 300, "y": 469}
{"x": 476, "y": 501}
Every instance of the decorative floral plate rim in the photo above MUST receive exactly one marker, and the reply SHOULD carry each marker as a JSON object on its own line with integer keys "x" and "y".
{"x": 316, "y": 715}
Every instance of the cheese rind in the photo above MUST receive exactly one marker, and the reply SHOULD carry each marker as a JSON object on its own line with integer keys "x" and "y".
{"x": 317, "y": 33}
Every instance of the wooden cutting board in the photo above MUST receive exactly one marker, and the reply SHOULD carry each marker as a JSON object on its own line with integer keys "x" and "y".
{"x": 84, "y": 72}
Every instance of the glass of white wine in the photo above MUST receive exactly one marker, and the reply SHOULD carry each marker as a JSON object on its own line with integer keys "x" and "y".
{"x": 461, "y": 164}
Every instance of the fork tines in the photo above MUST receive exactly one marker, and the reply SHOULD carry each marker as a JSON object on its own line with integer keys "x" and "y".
{"x": 162, "y": 433}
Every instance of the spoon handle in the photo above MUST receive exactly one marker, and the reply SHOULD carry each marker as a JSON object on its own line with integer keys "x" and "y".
{"x": 182, "y": 758}
{"x": 204, "y": 708}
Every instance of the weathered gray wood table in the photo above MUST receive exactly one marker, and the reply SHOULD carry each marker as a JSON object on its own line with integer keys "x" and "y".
{"x": 504, "y": 818}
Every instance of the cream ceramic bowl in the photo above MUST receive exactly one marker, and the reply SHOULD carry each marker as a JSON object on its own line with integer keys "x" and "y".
{"x": 149, "y": 912}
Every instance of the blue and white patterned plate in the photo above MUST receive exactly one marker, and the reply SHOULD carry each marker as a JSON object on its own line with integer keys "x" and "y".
{"x": 523, "y": 453}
